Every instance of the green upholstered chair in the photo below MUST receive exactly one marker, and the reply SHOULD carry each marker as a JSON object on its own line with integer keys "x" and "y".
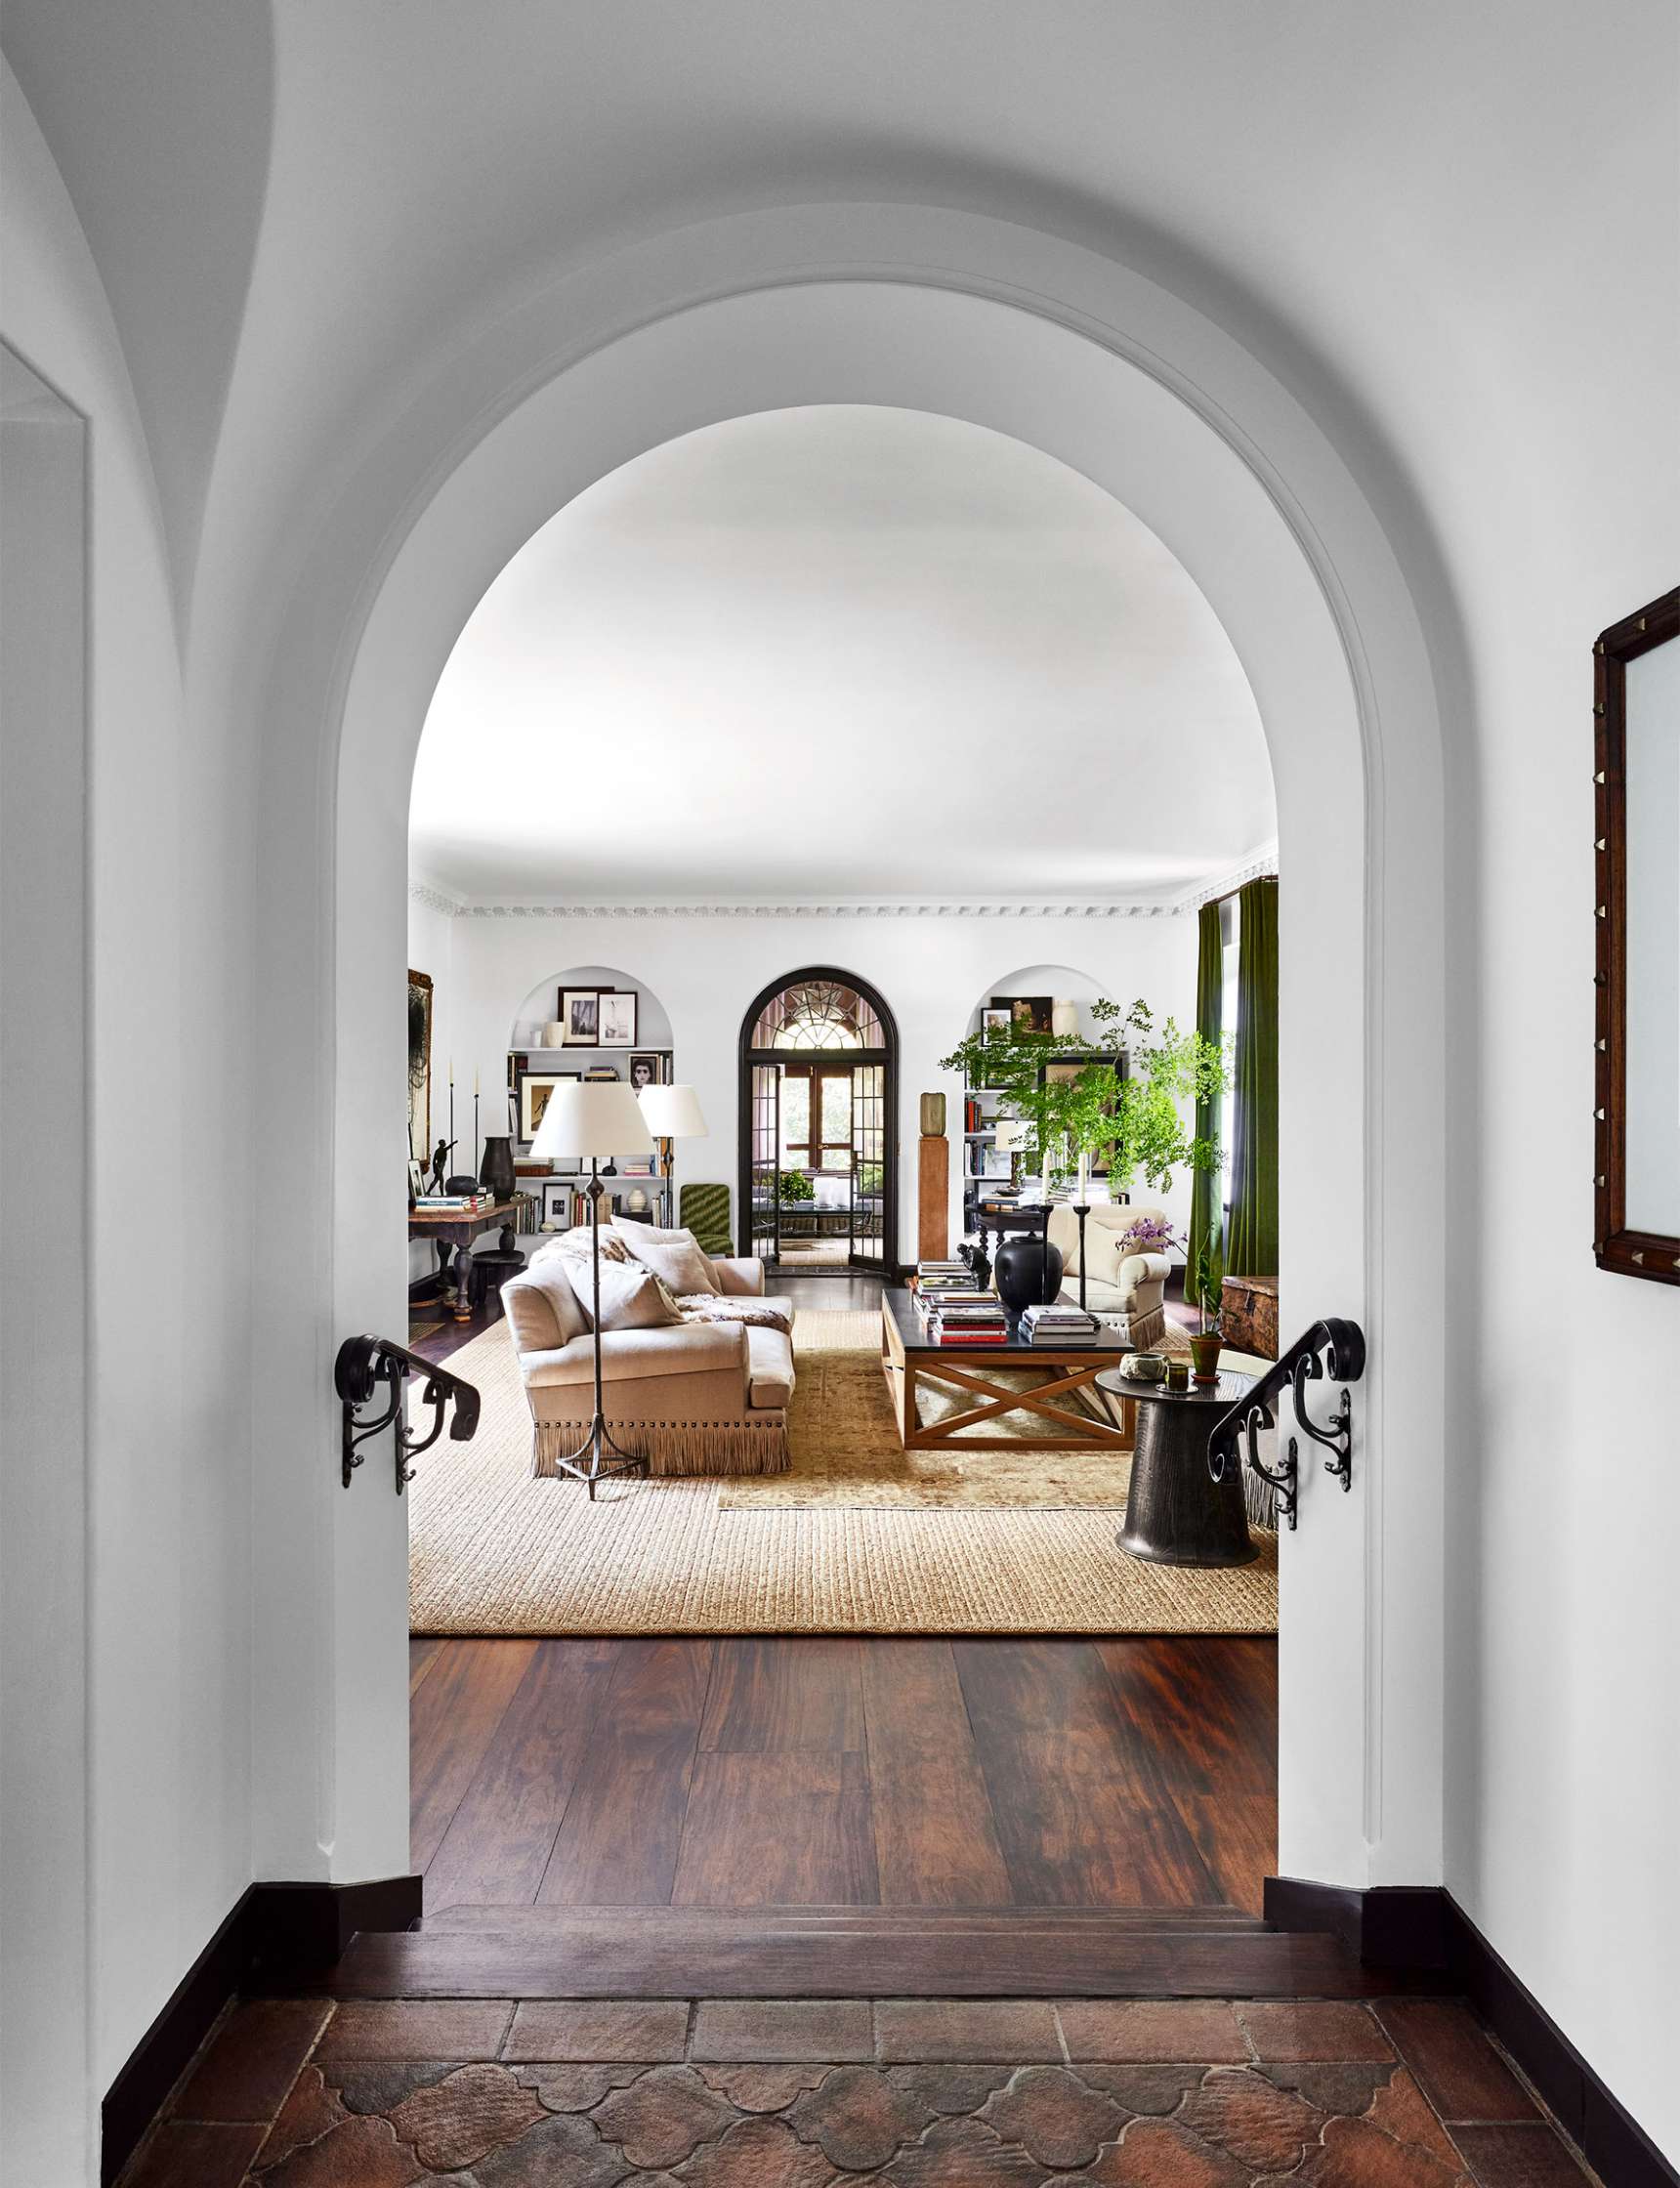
{"x": 705, "y": 1211}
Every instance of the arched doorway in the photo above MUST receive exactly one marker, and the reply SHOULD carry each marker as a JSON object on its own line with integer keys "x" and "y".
{"x": 818, "y": 1125}
{"x": 1085, "y": 359}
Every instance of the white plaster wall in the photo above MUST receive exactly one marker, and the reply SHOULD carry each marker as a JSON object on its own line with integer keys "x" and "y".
{"x": 1563, "y": 1630}
{"x": 168, "y": 1544}
{"x": 707, "y": 970}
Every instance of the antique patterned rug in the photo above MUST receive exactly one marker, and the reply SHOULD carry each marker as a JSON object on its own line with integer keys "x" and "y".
{"x": 877, "y": 1547}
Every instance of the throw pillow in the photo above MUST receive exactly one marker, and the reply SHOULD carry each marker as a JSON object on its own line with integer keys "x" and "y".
{"x": 576, "y": 1241}
{"x": 674, "y": 1258}
{"x": 631, "y": 1297}
{"x": 552, "y": 1278}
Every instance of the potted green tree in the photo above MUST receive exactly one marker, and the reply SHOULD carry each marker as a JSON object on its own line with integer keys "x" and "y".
{"x": 1135, "y": 1123}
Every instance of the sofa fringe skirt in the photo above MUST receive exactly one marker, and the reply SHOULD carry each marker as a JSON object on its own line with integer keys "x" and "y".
{"x": 675, "y": 1448}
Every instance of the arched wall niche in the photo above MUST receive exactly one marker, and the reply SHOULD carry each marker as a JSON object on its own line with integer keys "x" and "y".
{"x": 1058, "y": 982}
{"x": 1110, "y": 373}
{"x": 540, "y": 1004}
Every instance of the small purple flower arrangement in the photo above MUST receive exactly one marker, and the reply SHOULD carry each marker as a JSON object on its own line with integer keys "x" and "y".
{"x": 1149, "y": 1234}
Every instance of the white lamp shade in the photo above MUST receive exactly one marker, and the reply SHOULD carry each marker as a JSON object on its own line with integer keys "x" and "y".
{"x": 603, "y": 1118}
{"x": 672, "y": 1112}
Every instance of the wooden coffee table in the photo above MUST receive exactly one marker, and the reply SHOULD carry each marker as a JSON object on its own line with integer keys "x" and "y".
{"x": 909, "y": 1358}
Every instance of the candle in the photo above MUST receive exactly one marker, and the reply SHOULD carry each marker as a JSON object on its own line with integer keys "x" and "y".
{"x": 475, "y": 1083}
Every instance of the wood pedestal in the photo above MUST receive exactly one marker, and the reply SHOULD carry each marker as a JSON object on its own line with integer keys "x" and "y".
{"x": 932, "y": 1199}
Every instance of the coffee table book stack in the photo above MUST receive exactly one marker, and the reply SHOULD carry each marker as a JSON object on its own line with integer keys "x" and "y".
{"x": 951, "y": 1308}
{"x": 1056, "y": 1322}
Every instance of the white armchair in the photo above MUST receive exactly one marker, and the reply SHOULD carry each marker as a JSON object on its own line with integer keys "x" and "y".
{"x": 1116, "y": 1282}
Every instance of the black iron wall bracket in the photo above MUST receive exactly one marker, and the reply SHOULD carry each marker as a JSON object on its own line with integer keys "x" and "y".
{"x": 365, "y": 1364}
{"x": 1331, "y": 1348}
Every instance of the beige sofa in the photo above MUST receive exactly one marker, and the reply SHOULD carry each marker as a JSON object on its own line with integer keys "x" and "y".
{"x": 698, "y": 1398}
{"x": 1131, "y": 1285}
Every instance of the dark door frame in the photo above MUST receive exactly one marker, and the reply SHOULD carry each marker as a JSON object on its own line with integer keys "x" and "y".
{"x": 887, "y": 1057}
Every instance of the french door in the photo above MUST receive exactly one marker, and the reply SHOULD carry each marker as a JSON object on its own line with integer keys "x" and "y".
{"x": 819, "y": 1138}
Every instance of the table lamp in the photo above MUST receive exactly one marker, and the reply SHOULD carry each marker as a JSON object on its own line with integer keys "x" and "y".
{"x": 671, "y": 1114}
{"x": 599, "y": 1120}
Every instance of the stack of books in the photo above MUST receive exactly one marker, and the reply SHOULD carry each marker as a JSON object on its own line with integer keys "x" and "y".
{"x": 1057, "y": 1324}
{"x": 940, "y": 1276}
{"x": 975, "y": 1320}
{"x": 967, "y": 1317}
{"x": 452, "y": 1203}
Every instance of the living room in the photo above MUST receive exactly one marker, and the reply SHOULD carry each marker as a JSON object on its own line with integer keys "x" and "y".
{"x": 835, "y": 1120}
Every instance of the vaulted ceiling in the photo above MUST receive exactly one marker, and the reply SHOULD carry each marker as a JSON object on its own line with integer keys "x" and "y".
{"x": 823, "y": 651}
{"x": 300, "y": 213}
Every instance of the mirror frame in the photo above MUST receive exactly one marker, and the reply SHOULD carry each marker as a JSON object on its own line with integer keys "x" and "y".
{"x": 1629, "y": 1253}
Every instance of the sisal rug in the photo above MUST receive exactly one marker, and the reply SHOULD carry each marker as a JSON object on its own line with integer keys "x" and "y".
{"x": 845, "y": 1453}
{"x": 495, "y": 1551}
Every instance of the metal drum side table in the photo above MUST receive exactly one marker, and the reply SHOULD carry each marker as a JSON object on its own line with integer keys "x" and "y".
{"x": 1176, "y": 1513}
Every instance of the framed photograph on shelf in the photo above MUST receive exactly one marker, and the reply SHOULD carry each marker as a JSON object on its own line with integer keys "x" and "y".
{"x": 531, "y": 1099}
{"x": 995, "y": 1022}
{"x": 616, "y": 1019}
{"x": 580, "y": 1015}
{"x": 645, "y": 1069}
{"x": 1028, "y": 1014}
{"x": 556, "y": 1196}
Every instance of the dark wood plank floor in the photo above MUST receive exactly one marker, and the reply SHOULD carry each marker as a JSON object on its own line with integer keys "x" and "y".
{"x": 841, "y": 1772}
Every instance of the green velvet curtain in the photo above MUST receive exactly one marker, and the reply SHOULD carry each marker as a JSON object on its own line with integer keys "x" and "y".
{"x": 1251, "y": 1250}
{"x": 1205, "y": 1212}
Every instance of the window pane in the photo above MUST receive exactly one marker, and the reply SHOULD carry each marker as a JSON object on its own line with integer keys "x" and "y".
{"x": 837, "y": 1111}
{"x": 795, "y": 1122}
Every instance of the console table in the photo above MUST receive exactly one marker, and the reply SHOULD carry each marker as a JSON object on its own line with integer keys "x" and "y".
{"x": 457, "y": 1229}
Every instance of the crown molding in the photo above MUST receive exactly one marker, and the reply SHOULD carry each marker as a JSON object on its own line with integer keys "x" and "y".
{"x": 428, "y": 893}
{"x": 884, "y": 907}
{"x": 1261, "y": 864}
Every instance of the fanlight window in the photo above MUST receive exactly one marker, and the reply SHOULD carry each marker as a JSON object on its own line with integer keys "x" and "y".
{"x": 818, "y": 1014}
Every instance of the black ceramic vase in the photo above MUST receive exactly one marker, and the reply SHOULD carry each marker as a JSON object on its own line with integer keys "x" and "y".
{"x": 1027, "y": 1272}
{"x": 497, "y": 1172}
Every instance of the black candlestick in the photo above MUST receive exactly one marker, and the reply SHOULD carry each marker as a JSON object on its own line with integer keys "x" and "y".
{"x": 1082, "y": 1214}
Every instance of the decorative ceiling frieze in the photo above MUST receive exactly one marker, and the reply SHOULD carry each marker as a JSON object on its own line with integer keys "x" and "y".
{"x": 884, "y": 908}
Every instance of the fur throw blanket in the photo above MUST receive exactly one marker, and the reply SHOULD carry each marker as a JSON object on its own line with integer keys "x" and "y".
{"x": 709, "y": 1306}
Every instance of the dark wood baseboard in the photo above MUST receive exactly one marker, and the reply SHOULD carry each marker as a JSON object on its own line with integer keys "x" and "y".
{"x": 276, "y": 1934}
{"x": 155, "y": 2065}
{"x": 1419, "y": 1930}
{"x": 1399, "y": 1926}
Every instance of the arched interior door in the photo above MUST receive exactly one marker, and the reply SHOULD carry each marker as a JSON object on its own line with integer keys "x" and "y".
{"x": 818, "y": 1066}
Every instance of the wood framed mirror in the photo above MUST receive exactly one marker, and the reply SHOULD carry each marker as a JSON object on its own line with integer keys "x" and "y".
{"x": 1636, "y": 778}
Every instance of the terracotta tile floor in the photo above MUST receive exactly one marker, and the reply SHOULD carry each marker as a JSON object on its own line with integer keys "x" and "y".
{"x": 812, "y": 2093}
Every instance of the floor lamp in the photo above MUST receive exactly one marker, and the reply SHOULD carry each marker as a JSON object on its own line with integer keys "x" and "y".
{"x": 671, "y": 1114}
{"x": 596, "y": 1120}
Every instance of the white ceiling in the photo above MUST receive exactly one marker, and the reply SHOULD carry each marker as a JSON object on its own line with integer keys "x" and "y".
{"x": 812, "y": 654}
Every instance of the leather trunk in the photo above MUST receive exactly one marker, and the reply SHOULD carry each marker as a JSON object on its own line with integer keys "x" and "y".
{"x": 1248, "y": 1314}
